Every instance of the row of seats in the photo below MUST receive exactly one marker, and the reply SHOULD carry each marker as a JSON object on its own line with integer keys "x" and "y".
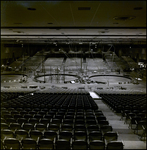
{"x": 132, "y": 109}
{"x": 63, "y": 142}
{"x": 9, "y": 95}
{"x": 52, "y": 100}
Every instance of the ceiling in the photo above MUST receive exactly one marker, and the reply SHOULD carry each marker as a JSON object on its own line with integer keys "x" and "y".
{"x": 118, "y": 22}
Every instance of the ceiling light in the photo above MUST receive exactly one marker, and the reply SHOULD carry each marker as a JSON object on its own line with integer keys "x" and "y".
{"x": 31, "y": 8}
{"x": 18, "y": 23}
{"x": 81, "y": 43}
{"x": 124, "y": 18}
{"x": 137, "y": 8}
{"x": 83, "y": 8}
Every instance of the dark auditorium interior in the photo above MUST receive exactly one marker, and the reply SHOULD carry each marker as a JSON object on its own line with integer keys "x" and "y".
{"x": 73, "y": 75}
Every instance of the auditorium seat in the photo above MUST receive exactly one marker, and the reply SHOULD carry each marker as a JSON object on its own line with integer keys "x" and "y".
{"x": 110, "y": 136}
{"x": 67, "y": 127}
{"x": 91, "y": 128}
{"x": 133, "y": 121}
{"x": 21, "y": 134}
{"x": 4, "y": 126}
{"x": 79, "y": 144}
{"x": 12, "y": 143}
{"x": 96, "y": 144}
{"x": 40, "y": 126}
{"x": 106, "y": 128}
{"x": 33, "y": 120}
{"x": 27, "y": 126}
{"x": 80, "y": 135}
{"x": 29, "y": 143}
{"x": 63, "y": 144}
{"x": 15, "y": 126}
{"x": 50, "y": 134}
{"x": 45, "y": 144}
{"x": 44, "y": 121}
{"x": 36, "y": 135}
{"x": 67, "y": 135}
{"x": 6, "y": 133}
{"x": 95, "y": 135}
{"x": 114, "y": 145}
{"x": 139, "y": 126}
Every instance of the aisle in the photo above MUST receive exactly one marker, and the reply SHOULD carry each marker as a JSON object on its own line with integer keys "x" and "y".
{"x": 130, "y": 140}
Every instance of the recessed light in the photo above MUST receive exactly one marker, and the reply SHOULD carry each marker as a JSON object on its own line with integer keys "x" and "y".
{"x": 17, "y": 23}
{"x": 124, "y": 18}
{"x": 137, "y": 8}
{"x": 83, "y": 8}
{"x": 18, "y": 31}
{"x": 31, "y": 8}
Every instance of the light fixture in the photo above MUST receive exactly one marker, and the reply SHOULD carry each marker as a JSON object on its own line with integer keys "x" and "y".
{"x": 124, "y": 18}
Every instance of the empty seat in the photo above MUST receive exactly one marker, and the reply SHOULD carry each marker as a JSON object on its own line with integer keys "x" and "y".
{"x": 15, "y": 126}
{"x": 36, "y": 135}
{"x": 80, "y": 135}
{"x": 6, "y": 133}
{"x": 80, "y": 127}
{"x": 41, "y": 127}
{"x": 65, "y": 135}
{"x": 95, "y": 135}
{"x": 45, "y": 144}
{"x": 67, "y": 127}
{"x": 110, "y": 136}
{"x": 44, "y": 121}
{"x": 63, "y": 144}
{"x": 103, "y": 122}
{"x": 4, "y": 126}
{"x": 33, "y": 120}
{"x": 21, "y": 134}
{"x": 22, "y": 120}
{"x": 28, "y": 126}
{"x": 54, "y": 127}
{"x": 91, "y": 128}
{"x": 106, "y": 128}
{"x": 139, "y": 126}
{"x": 96, "y": 144}
{"x": 29, "y": 143}
{"x": 10, "y": 120}
{"x": 11, "y": 143}
{"x": 115, "y": 145}
{"x": 79, "y": 144}
{"x": 50, "y": 134}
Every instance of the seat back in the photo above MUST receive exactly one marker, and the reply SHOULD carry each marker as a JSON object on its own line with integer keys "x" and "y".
{"x": 6, "y": 133}
{"x": 65, "y": 135}
{"x": 21, "y": 134}
{"x": 110, "y": 136}
{"x": 79, "y": 144}
{"x": 95, "y": 135}
{"x": 29, "y": 143}
{"x": 80, "y": 135}
{"x": 11, "y": 143}
{"x": 46, "y": 143}
{"x": 115, "y": 145}
{"x": 63, "y": 144}
{"x": 97, "y": 144}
